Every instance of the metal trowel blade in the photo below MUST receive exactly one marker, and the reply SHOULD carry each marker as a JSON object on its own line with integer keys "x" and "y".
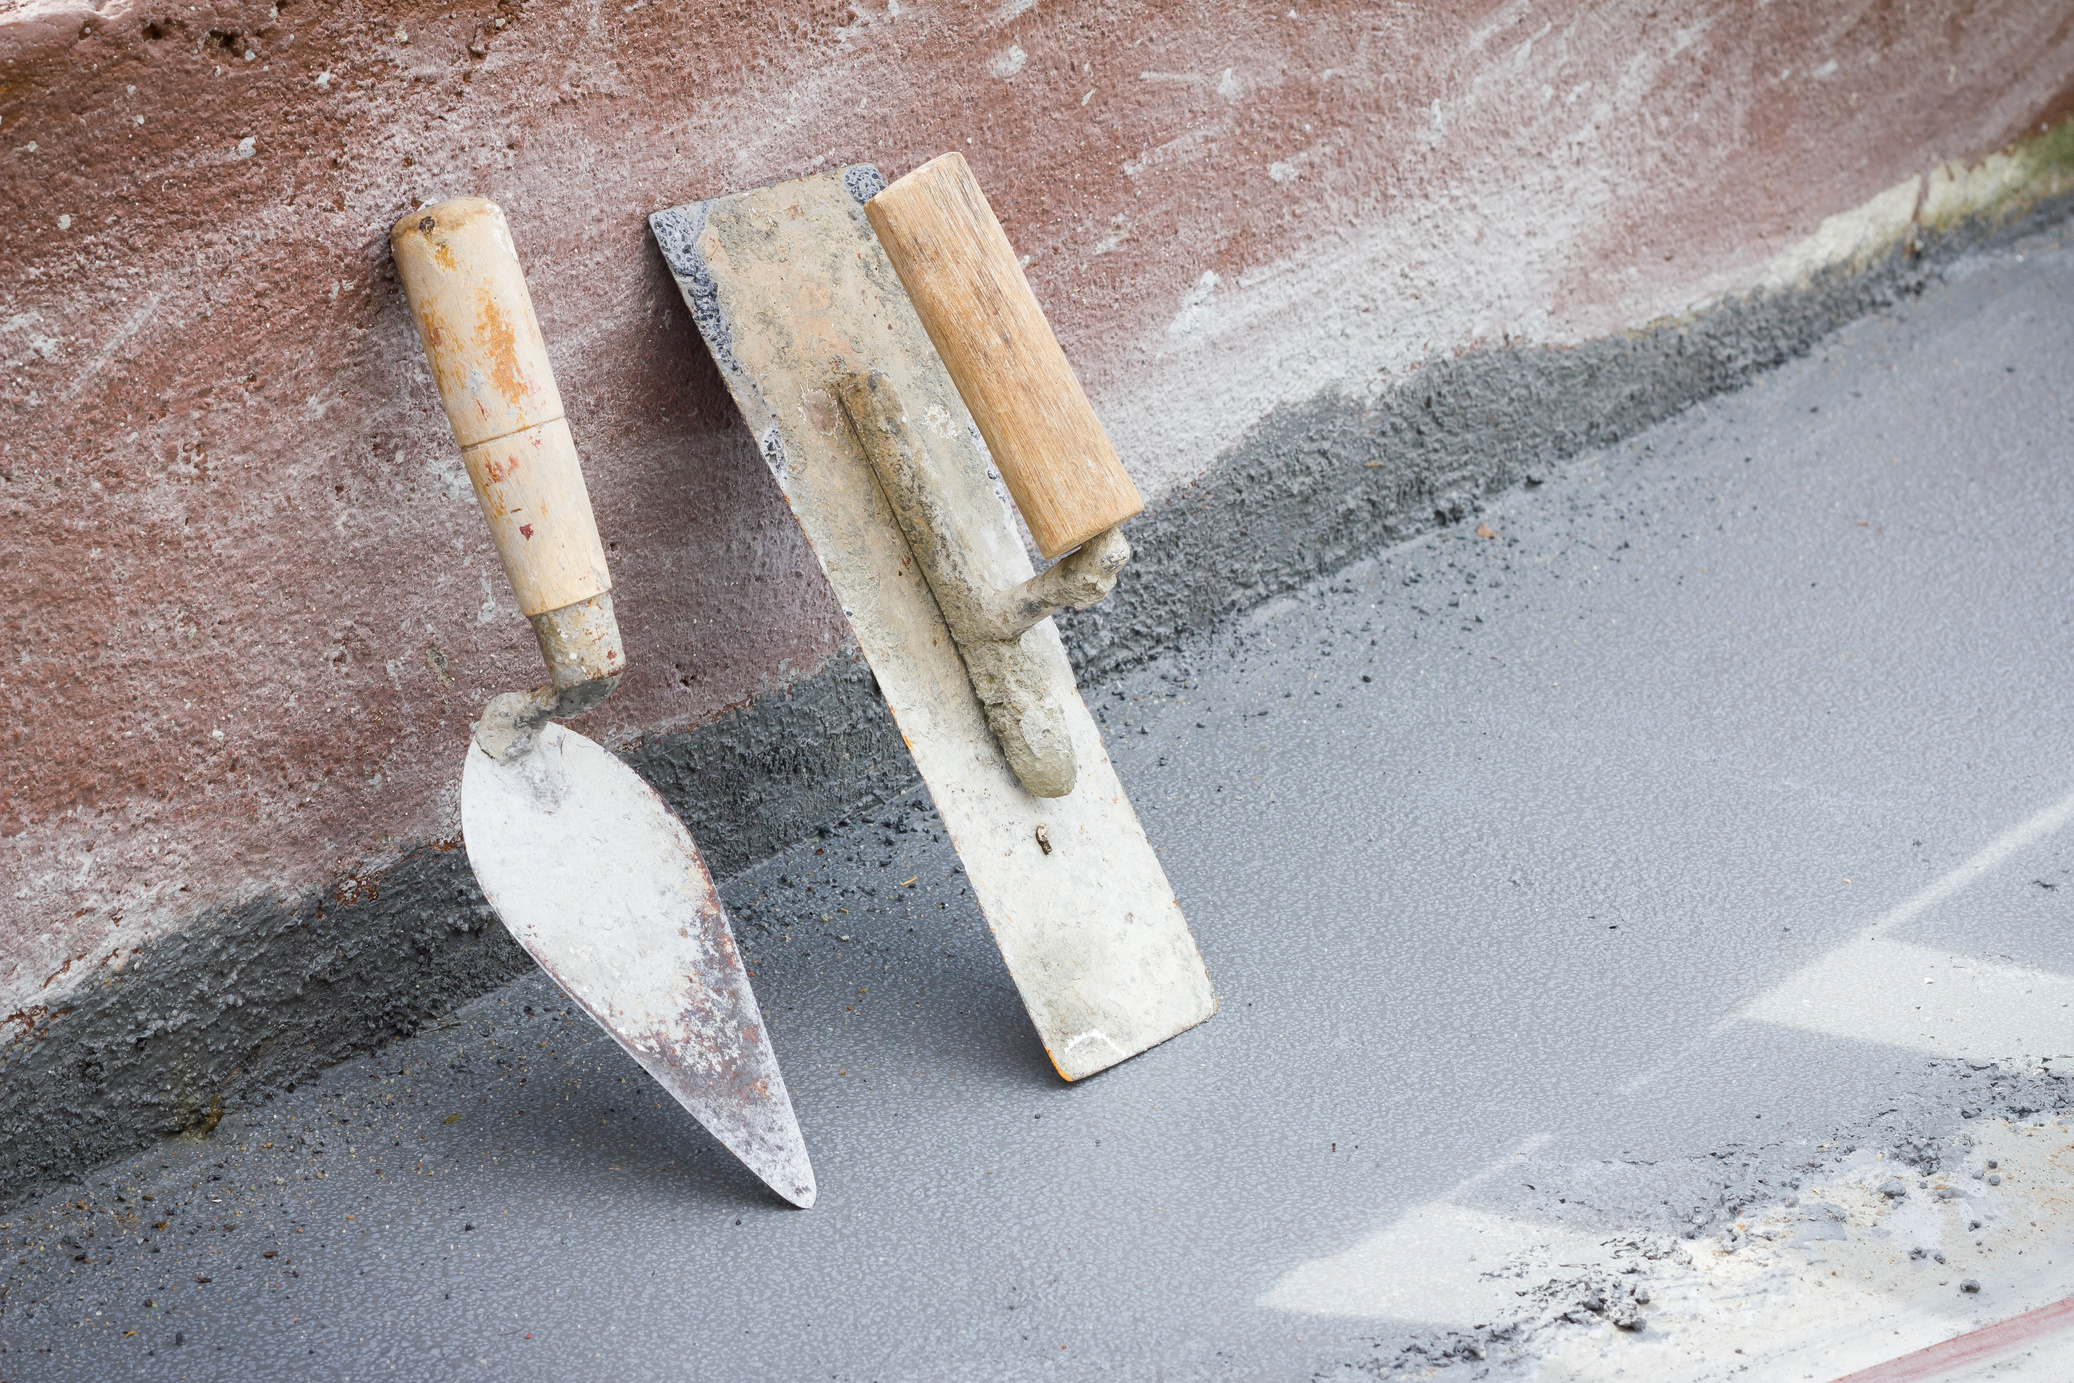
{"x": 792, "y": 290}
{"x": 602, "y": 884}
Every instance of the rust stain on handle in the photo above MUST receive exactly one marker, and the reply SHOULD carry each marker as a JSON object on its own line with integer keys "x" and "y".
{"x": 457, "y": 264}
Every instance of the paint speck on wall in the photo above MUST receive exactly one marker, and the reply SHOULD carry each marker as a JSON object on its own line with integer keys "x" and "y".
{"x": 1010, "y": 62}
{"x": 1193, "y": 319}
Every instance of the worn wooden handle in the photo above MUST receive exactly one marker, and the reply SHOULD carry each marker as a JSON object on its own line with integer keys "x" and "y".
{"x": 962, "y": 276}
{"x": 468, "y": 294}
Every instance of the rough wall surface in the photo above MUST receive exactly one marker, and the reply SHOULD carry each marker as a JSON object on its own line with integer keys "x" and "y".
{"x": 1328, "y": 276}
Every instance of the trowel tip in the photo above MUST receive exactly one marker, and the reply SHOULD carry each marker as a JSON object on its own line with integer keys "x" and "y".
{"x": 793, "y": 1183}
{"x": 785, "y": 1170}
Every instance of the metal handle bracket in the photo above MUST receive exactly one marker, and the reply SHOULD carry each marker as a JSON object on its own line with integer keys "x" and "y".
{"x": 584, "y": 661}
{"x": 988, "y": 623}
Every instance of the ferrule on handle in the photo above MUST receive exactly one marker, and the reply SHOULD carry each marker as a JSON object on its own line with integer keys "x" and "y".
{"x": 468, "y": 295}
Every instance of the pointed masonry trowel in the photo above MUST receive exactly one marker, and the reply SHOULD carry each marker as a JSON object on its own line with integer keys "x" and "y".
{"x": 580, "y": 858}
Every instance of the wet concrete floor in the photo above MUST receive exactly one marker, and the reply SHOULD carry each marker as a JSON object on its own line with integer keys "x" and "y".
{"x": 1522, "y": 863}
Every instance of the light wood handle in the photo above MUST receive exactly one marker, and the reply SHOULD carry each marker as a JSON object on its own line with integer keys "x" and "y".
{"x": 475, "y": 318}
{"x": 962, "y": 276}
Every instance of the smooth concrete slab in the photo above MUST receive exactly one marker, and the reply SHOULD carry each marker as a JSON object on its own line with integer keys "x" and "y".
{"x": 1496, "y": 847}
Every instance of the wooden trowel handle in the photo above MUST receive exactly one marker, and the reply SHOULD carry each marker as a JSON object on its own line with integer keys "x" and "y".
{"x": 962, "y": 276}
{"x": 468, "y": 295}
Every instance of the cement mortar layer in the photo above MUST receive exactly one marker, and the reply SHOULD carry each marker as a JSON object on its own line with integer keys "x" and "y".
{"x": 1602, "y": 843}
{"x": 246, "y": 1000}
{"x": 233, "y": 507}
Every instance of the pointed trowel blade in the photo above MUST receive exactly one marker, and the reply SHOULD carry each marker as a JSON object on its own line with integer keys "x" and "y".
{"x": 595, "y": 877}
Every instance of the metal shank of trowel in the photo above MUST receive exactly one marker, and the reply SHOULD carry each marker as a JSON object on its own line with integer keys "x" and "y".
{"x": 988, "y": 624}
{"x": 467, "y": 294}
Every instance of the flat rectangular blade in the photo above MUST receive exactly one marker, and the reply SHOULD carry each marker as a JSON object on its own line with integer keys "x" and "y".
{"x": 791, "y": 290}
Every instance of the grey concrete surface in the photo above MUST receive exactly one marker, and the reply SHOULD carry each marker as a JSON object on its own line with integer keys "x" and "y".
{"x": 1484, "y": 842}
{"x": 340, "y": 969}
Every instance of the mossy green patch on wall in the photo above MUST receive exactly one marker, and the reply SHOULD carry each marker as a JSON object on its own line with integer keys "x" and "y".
{"x": 2003, "y": 186}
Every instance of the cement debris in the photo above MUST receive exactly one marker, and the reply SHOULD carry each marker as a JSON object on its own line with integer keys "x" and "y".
{"x": 1825, "y": 1262}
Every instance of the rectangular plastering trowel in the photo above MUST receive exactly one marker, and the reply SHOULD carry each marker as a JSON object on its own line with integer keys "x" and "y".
{"x": 584, "y": 863}
{"x": 879, "y": 370}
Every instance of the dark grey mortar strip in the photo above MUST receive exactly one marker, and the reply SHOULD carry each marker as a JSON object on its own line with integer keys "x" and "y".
{"x": 250, "y": 999}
